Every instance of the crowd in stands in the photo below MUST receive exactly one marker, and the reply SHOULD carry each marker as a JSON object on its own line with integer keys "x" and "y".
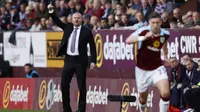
{"x": 32, "y": 15}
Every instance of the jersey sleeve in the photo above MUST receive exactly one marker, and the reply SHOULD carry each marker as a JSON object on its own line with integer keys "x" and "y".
{"x": 136, "y": 33}
{"x": 166, "y": 33}
{"x": 140, "y": 32}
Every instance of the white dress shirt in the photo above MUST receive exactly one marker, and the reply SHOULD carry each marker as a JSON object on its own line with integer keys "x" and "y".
{"x": 76, "y": 52}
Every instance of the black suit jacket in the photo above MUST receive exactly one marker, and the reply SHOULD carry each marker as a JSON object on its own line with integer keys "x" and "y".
{"x": 86, "y": 37}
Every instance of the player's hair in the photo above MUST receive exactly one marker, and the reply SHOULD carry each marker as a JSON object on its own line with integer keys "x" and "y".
{"x": 154, "y": 15}
{"x": 28, "y": 64}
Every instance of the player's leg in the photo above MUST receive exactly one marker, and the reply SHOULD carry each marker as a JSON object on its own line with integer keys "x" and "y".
{"x": 142, "y": 101}
{"x": 160, "y": 79}
{"x": 142, "y": 82}
{"x": 163, "y": 86}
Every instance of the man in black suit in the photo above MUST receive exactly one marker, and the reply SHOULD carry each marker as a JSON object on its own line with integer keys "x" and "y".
{"x": 74, "y": 47}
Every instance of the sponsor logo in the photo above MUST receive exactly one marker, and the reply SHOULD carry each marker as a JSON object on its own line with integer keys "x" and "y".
{"x": 126, "y": 90}
{"x": 49, "y": 94}
{"x": 6, "y": 94}
{"x": 99, "y": 49}
{"x": 96, "y": 96}
{"x": 16, "y": 95}
{"x": 162, "y": 39}
{"x": 117, "y": 50}
{"x": 173, "y": 48}
{"x": 42, "y": 94}
{"x": 156, "y": 44}
{"x": 188, "y": 44}
{"x": 112, "y": 49}
{"x": 153, "y": 48}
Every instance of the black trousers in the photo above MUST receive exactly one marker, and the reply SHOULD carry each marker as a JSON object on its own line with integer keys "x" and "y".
{"x": 73, "y": 64}
{"x": 192, "y": 97}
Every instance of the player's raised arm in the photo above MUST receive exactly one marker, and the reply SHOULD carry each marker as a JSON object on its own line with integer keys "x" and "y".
{"x": 137, "y": 37}
{"x": 165, "y": 51}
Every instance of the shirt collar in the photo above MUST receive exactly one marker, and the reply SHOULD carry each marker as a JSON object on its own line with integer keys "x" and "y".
{"x": 77, "y": 27}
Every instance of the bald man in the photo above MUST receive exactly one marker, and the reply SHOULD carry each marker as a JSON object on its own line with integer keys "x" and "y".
{"x": 74, "y": 47}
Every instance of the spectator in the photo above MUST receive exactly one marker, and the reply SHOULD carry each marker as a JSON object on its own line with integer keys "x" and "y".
{"x": 88, "y": 6}
{"x": 62, "y": 10}
{"x": 43, "y": 24}
{"x": 135, "y": 6}
{"x": 22, "y": 13}
{"x": 196, "y": 19}
{"x": 80, "y": 7}
{"x": 177, "y": 15}
{"x": 165, "y": 19}
{"x": 163, "y": 6}
{"x": 104, "y": 23}
{"x": 188, "y": 19}
{"x": 42, "y": 12}
{"x": 152, "y": 4}
{"x": 86, "y": 21}
{"x": 97, "y": 10}
{"x": 15, "y": 19}
{"x": 192, "y": 75}
{"x": 108, "y": 10}
{"x": 111, "y": 20}
{"x": 94, "y": 23}
{"x": 145, "y": 10}
{"x": 186, "y": 57}
{"x": 126, "y": 21}
{"x": 28, "y": 24}
{"x": 177, "y": 75}
{"x": 29, "y": 14}
{"x": 5, "y": 18}
{"x": 36, "y": 26}
{"x": 118, "y": 18}
{"x": 140, "y": 22}
{"x": 173, "y": 23}
{"x": 30, "y": 73}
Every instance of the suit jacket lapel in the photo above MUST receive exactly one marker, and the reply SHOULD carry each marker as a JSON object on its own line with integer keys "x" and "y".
{"x": 81, "y": 33}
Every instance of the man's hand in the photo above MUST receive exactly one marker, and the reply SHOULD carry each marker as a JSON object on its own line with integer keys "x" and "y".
{"x": 179, "y": 86}
{"x": 50, "y": 8}
{"x": 92, "y": 65}
{"x": 149, "y": 35}
{"x": 195, "y": 86}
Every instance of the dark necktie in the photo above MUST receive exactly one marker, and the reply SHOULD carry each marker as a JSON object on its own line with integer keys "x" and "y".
{"x": 73, "y": 43}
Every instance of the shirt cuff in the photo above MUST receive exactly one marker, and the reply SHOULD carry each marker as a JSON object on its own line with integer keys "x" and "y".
{"x": 51, "y": 11}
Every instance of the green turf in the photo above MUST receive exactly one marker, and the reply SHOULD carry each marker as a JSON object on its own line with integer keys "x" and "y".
{"x": 6, "y": 110}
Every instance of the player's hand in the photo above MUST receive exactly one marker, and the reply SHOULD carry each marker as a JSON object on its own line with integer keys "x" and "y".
{"x": 92, "y": 65}
{"x": 149, "y": 35}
